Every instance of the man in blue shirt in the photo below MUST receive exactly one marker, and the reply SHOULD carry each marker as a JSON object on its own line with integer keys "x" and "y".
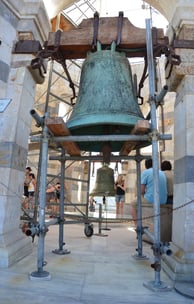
{"x": 147, "y": 189}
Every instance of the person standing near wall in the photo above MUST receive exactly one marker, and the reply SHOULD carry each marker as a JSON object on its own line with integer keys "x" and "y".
{"x": 120, "y": 195}
{"x": 167, "y": 168}
{"x": 26, "y": 184}
{"x": 31, "y": 189}
{"x": 27, "y": 180}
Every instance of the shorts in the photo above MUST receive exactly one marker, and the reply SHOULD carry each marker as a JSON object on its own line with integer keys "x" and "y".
{"x": 169, "y": 199}
{"x": 26, "y": 193}
{"x": 31, "y": 193}
{"x": 120, "y": 198}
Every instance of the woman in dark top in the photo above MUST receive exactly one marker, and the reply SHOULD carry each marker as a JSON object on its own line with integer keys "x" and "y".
{"x": 120, "y": 195}
{"x": 167, "y": 168}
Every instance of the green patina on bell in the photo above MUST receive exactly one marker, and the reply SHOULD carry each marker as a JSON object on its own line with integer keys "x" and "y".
{"x": 106, "y": 102}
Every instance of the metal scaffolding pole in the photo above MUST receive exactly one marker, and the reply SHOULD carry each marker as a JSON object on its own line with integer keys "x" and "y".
{"x": 94, "y": 138}
{"x": 61, "y": 250}
{"x": 139, "y": 230}
{"x": 42, "y": 229}
{"x": 49, "y": 86}
{"x": 88, "y": 188}
{"x": 98, "y": 158}
{"x": 156, "y": 284}
{"x": 88, "y": 229}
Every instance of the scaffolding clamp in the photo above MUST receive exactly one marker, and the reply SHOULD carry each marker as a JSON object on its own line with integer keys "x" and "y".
{"x": 161, "y": 248}
{"x": 159, "y": 99}
{"x": 39, "y": 120}
{"x": 156, "y": 266}
{"x": 154, "y": 135}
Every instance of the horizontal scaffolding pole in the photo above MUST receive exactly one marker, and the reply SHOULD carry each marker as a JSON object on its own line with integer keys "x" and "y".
{"x": 64, "y": 77}
{"x": 149, "y": 234}
{"x": 99, "y": 158}
{"x": 92, "y": 138}
{"x": 59, "y": 98}
{"x": 66, "y": 178}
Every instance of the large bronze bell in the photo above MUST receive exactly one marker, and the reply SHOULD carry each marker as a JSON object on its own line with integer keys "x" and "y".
{"x": 104, "y": 185}
{"x": 106, "y": 102}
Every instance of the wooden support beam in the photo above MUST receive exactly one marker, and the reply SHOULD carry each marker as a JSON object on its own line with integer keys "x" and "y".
{"x": 75, "y": 43}
{"x": 58, "y": 127}
{"x": 142, "y": 127}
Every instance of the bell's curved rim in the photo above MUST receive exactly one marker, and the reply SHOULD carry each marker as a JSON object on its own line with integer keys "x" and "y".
{"x": 104, "y": 119}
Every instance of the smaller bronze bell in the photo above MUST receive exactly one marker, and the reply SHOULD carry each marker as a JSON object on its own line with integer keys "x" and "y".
{"x": 104, "y": 185}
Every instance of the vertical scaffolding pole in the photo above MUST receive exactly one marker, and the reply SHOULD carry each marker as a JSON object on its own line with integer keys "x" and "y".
{"x": 156, "y": 284}
{"x": 139, "y": 255}
{"x": 42, "y": 229}
{"x": 88, "y": 230}
{"x": 37, "y": 193}
{"x": 88, "y": 188}
{"x": 61, "y": 250}
{"x": 49, "y": 86}
{"x": 40, "y": 156}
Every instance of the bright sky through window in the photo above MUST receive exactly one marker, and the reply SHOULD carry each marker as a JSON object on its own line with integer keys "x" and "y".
{"x": 136, "y": 11}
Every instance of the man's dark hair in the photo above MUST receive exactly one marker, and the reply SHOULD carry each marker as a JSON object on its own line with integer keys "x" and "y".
{"x": 29, "y": 169}
{"x": 148, "y": 163}
{"x": 166, "y": 165}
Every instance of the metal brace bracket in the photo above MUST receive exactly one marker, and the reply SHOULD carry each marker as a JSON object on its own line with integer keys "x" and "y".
{"x": 154, "y": 135}
{"x": 95, "y": 33}
{"x": 119, "y": 27}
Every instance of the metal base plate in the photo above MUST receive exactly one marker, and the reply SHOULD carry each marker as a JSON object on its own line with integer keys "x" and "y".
{"x": 61, "y": 252}
{"x": 140, "y": 257}
{"x": 185, "y": 288}
{"x": 157, "y": 287}
{"x": 40, "y": 275}
{"x": 100, "y": 234}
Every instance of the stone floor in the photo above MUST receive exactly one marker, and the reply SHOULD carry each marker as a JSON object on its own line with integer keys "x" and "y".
{"x": 99, "y": 269}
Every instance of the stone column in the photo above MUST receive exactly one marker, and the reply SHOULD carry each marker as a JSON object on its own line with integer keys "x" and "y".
{"x": 180, "y": 266}
{"x": 18, "y": 84}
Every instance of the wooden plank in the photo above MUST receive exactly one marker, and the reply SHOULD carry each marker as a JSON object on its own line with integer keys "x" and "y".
{"x": 77, "y": 42}
{"x": 58, "y": 127}
{"x": 142, "y": 127}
